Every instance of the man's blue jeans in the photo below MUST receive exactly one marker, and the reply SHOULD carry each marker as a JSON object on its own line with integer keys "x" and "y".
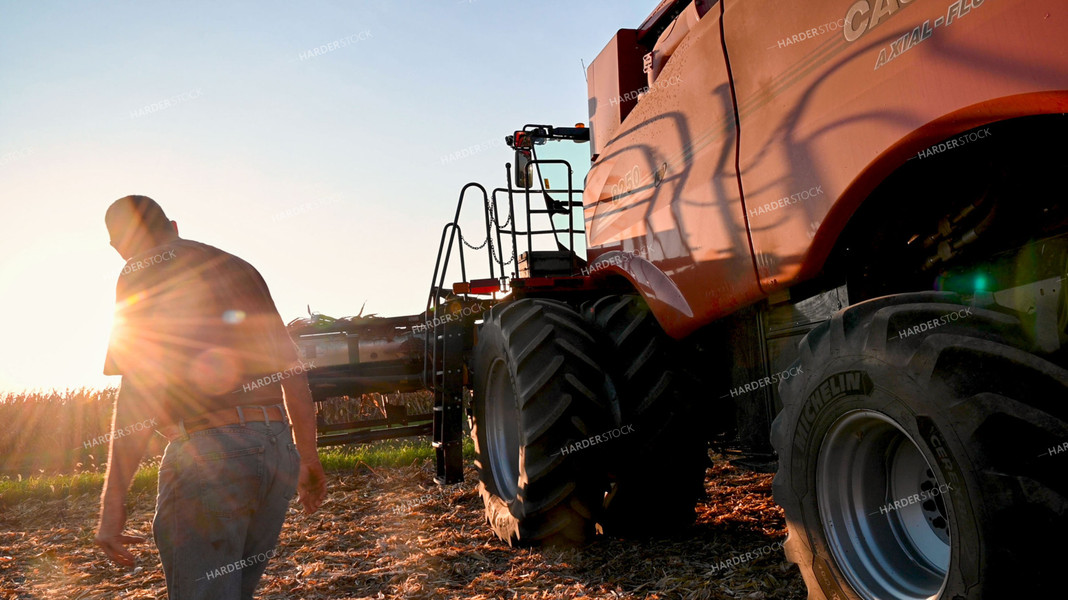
{"x": 223, "y": 495}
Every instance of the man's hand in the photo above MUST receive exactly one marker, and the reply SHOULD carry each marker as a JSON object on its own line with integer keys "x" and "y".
{"x": 109, "y": 535}
{"x": 311, "y": 482}
{"x": 124, "y": 454}
{"x": 311, "y": 485}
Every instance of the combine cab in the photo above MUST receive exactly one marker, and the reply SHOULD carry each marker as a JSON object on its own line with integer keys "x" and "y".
{"x": 831, "y": 235}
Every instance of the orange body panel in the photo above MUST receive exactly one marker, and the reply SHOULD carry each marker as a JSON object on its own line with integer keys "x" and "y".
{"x": 831, "y": 97}
{"x": 664, "y": 192}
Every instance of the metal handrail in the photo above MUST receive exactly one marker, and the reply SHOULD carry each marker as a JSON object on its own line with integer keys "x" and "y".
{"x": 569, "y": 204}
{"x": 496, "y": 232}
{"x": 442, "y": 266}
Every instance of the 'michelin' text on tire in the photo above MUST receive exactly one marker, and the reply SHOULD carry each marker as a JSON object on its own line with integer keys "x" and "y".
{"x": 914, "y": 464}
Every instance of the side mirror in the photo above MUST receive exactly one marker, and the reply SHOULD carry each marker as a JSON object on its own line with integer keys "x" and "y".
{"x": 524, "y": 169}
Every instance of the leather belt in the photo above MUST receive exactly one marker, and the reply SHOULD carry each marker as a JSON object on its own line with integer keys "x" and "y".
{"x": 228, "y": 416}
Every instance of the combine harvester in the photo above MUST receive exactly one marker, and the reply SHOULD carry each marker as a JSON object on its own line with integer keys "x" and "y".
{"x": 831, "y": 235}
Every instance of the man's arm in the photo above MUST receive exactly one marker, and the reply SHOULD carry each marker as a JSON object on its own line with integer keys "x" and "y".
{"x": 124, "y": 455}
{"x": 301, "y": 409}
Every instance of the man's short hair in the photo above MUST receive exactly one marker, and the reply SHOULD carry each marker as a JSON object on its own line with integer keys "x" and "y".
{"x": 136, "y": 211}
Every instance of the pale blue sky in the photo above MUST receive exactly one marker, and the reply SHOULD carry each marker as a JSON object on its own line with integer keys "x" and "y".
{"x": 354, "y": 143}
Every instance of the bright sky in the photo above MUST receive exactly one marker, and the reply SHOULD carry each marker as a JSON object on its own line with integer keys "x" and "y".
{"x": 354, "y": 143}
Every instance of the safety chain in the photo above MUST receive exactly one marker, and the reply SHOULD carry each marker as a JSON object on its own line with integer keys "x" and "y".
{"x": 468, "y": 244}
{"x": 495, "y": 221}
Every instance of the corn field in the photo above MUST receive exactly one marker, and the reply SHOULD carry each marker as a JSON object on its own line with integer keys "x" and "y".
{"x": 63, "y": 431}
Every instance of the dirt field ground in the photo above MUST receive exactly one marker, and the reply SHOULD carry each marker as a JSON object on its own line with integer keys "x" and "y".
{"x": 389, "y": 533}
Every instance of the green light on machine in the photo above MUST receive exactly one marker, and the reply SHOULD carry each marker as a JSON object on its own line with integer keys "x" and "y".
{"x": 980, "y": 282}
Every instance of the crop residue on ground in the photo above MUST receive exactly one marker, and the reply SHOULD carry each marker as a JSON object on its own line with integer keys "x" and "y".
{"x": 389, "y": 533}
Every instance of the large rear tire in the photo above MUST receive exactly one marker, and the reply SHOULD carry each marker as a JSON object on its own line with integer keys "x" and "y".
{"x": 658, "y": 472}
{"x": 915, "y": 464}
{"x": 539, "y": 397}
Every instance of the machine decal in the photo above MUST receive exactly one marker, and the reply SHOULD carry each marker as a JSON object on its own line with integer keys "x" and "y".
{"x": 866, "y": 15}
{"x": 924, "y": 31}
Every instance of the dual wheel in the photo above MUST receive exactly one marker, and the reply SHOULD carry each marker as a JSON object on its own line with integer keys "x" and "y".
{"x": 580, "y": 420}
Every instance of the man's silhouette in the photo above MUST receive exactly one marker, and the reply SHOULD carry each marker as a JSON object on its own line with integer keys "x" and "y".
{"x": 203, "y": 352}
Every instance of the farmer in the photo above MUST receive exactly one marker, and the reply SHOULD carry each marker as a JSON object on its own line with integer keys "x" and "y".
{"x": 206, "y": 360}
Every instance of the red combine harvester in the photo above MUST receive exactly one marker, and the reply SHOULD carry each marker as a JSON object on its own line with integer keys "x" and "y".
{"x": 831, "y": 237}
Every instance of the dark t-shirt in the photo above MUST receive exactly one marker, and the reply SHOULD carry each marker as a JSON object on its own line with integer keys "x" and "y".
{"x": 198, "y": 325}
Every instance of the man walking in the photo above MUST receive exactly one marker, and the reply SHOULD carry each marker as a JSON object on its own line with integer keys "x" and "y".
{"x": 204, "y": 354}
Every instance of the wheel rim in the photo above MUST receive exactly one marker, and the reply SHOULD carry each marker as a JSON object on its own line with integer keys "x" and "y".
{"x": 502, "y": 435}
{"x": 886, "y": 551}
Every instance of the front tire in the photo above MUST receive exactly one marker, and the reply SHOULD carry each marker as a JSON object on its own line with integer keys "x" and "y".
{"x": 910, "y": 462}
{"x": 539, "y": 394}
